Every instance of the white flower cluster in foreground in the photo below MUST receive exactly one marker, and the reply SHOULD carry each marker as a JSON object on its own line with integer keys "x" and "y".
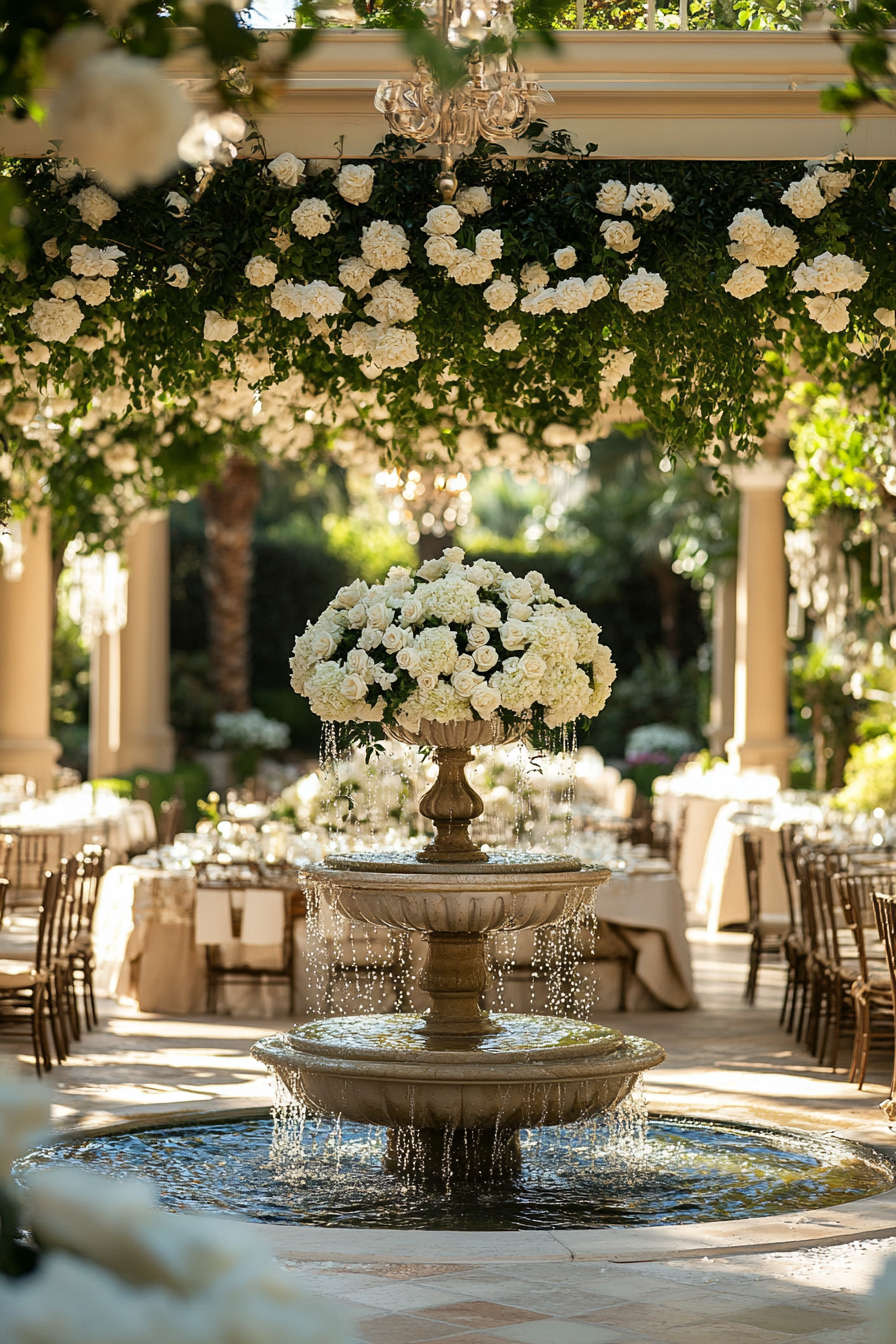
{"x": 453, "y": 642}
{"x": 820, "y": 185}
{"x": 464, "y": 265}
{"x": 830, "y": 275}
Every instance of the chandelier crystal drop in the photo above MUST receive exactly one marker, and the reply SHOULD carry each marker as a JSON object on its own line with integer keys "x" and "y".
{"x": 495, "y": 101}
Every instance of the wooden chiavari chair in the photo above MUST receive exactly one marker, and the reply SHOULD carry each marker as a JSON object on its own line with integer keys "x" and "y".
{"x": 884, "y": 907}
{"x": 871, "y": 988}
{"x": 25, "y": 994}
{"x": 764, "y": 943}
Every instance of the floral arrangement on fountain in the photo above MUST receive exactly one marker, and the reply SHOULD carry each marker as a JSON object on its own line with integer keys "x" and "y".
{"x": 452, "y": 643}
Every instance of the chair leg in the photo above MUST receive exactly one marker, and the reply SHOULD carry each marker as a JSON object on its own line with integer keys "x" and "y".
{"x": 787, "y": 987}
{"x": 89, "y": 998}
{"x": 837, "y": 1027}
{"x": 862, "y": 1061}
{"x": 753, "y": 973}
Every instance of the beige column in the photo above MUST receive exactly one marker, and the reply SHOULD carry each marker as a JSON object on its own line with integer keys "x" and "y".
{"x": 26, "y": 639}
{"x": 760, "y": 738}
{"x": 724, "y": 638}
{"x": 147, "y": 738}
{"x": 105, "y": 705}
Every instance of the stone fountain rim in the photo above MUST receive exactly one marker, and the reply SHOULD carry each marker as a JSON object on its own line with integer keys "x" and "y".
{"x": 432, "y": 877}
{"x": 861, "y": 1219}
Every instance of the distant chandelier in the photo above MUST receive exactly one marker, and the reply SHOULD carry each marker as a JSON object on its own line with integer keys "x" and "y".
{"x": 496, "y": 101}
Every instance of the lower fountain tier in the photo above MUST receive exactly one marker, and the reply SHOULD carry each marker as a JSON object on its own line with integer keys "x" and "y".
{"x": 533, "y": 1071}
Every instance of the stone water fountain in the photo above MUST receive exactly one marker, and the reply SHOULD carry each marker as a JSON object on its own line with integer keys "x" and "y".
{"x": 455, "y": 1085}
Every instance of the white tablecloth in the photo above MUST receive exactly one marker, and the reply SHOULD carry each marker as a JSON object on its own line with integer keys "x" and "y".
{"x": 129, "y": 829}
{"x": 649, "y": 908}
{"x": 722, "y": 897}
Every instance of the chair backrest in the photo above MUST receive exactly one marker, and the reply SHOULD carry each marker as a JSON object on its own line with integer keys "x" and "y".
{"x": 885, "y": 912}
{"x": 752, "y": 861}
{"x": 171, "y": 820}
{"x": 787, "y": 841}
{"x": 4, "y": 886}
{"x": 43, "y": 953}
{"x": 34, "y": 854}
{"x": 91, "y": 866}
{"x": 854, "y": 892}
{"x": 7, "y": 850}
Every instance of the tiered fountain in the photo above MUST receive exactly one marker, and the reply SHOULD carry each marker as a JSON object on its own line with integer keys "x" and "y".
{"x": 455, "y": 1085}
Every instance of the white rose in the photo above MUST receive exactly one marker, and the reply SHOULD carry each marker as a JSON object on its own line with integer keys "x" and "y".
{"x": 519, "y": 611}
{"x": 440, "y": 249}
{"x": 507, "y": 336}
{"x": 532, "y": 665}
{"x": 354, "y": 182}
{"x": 312, "y": 218}
{"x": 410, "y": 661}
{"x": 50, "y": 249}
{"x": 286, "y": 169}
{"x": 392, "y": 301}
{"x": 261, "y": 271}
{"x": 803, "y": 198}
{"x": 746, "y": 281}
{"x": 572, "y": 295}
{"x": 323, "y": 645}
{"x": 619, "y": 235}
{"x": 611, "y": 197}
{"x": 473, "y": 201}
{"x": 485, "y": 657}
{"x": 514, "y": 635}
{"x": 383, "y": 678}
{"x": 516, "y": 590}
{"x": 353, "y": 687}
{"x": 533, "y": 276}
{"x": 476, "y": 636}
{"x": 371, "y": 638}
{"x": 55, "y": 319}
{"x": 465, "y": 683}
{"x": 384, "y": 246}
{"x": 178, "y": 277}
{"x": 394, "y": 348}
{"x": 218, "y": 328}
{"x": 442, "y": 219}
{"x": 489, "y": 244}
{"x": 86, "y": 260}
{"x": 94, "y": 291}
{"x": 617, "y": 364}
{"x": 357, "y": 616}
{"x": 378, "y": 616}
{"x": 355, "y": 274}
{"x": 90, "y": 344}
{"x": 886, "y": 316}
{"x": 64, "y": 289}
{"x": 427, "y": 681}
{"x": 95, "y": 206}
{"x": 599, "y": 287}
{"x": 540, "y": 301}
{"x": 565, "y": 258}
{"x": 37, "y": 353}
{"x": 644, "y": 291}
{"x": 487, "y": 614}
{"x": 349, "y": 596}
{"x": 393, "y": 639}
{"x": 357, "y": 660}
{"x": 500, "y": 294}
{"x": 468, "y": 269}
{"x": 178, "y": 205}
{"x": 830, "y": 314}
{"x": 648, "y": 200}
{"x": 465, "y": 663}
{"x": 892, "y": 199}
{"x": 485, "y": 701}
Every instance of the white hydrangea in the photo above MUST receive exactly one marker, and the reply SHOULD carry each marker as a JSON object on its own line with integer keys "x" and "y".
{"x": 468, "y": 269}
{"x": 473, "y": 200}
{"x": 619, "y": 235}
{"x": 94, "y": 292}
{"x": 804, "y": 198}
{"x": 392, "y": 301}
{"x": 312, "y": 218}
{"x": 286, "y": 170}
{"x": 644, "y": 291}
{"x": 500, "y": 294}
{"x": 831, "y": 314}
{"x": 384, "y": 246}
{"x": 218, "y": 328}
{"x": 178, "y": 277}
{"x": 55, "y": 319}
{"x": 505, "y": 337}
{"x": 442, "y": 219}
{"x": 611, "y": 198}
{"x": 565, "y": 258}
{"x": 572, "y": 295}
{"x": 489, "y": 244}
{"x": 437, "y": 644}
{"x": 746, "y": 281}
{"x": 648, "y": 200}
{"x": 261, "y": 271}
{"x": 95, "y": 206}
{"x": 354, "y": 182}
{"x": 86, "y": 260}
{"x": 355, "y": 274}
{"x": 830, "y": 274}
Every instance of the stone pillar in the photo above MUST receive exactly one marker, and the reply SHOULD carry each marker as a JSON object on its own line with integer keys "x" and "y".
{"x": 760, "y": 676}
{"x": 724, "y": 640}
{"x": 105, "y": 705}
{"x": 26, "y": 640}
{"x": 147, "y": 738}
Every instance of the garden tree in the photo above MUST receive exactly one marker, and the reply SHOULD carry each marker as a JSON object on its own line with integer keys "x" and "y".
{"x": 229, "y": 505}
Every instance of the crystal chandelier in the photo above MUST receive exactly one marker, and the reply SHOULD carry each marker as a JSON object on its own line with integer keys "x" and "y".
{"x": 495, "y": 100}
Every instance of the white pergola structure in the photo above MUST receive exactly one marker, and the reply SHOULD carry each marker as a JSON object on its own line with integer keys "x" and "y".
{"x": 657, "y": 95}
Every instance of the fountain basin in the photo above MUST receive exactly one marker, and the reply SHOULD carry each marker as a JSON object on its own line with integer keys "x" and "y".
{"x": 531, "y": 1071}
{"x": 509, "y": 892}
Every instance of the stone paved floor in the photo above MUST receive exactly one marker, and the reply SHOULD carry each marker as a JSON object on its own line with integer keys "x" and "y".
{"x": 724, "y": 1059}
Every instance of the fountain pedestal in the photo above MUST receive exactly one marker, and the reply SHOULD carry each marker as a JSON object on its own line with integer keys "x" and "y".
{"x": 455, "y": 977}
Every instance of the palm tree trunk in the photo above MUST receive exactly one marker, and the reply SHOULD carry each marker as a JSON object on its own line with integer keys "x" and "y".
{"x": 229, "y": 506}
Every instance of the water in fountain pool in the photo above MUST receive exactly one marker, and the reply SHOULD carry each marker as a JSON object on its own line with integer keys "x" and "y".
{"x": 295, "y": 1170}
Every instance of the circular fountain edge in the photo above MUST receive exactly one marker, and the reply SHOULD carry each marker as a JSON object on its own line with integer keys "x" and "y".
{"x": 862, "y": 1219}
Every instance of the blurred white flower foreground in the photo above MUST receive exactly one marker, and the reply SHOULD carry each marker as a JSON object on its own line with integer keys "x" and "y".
{"x": 114, "y": 1267}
